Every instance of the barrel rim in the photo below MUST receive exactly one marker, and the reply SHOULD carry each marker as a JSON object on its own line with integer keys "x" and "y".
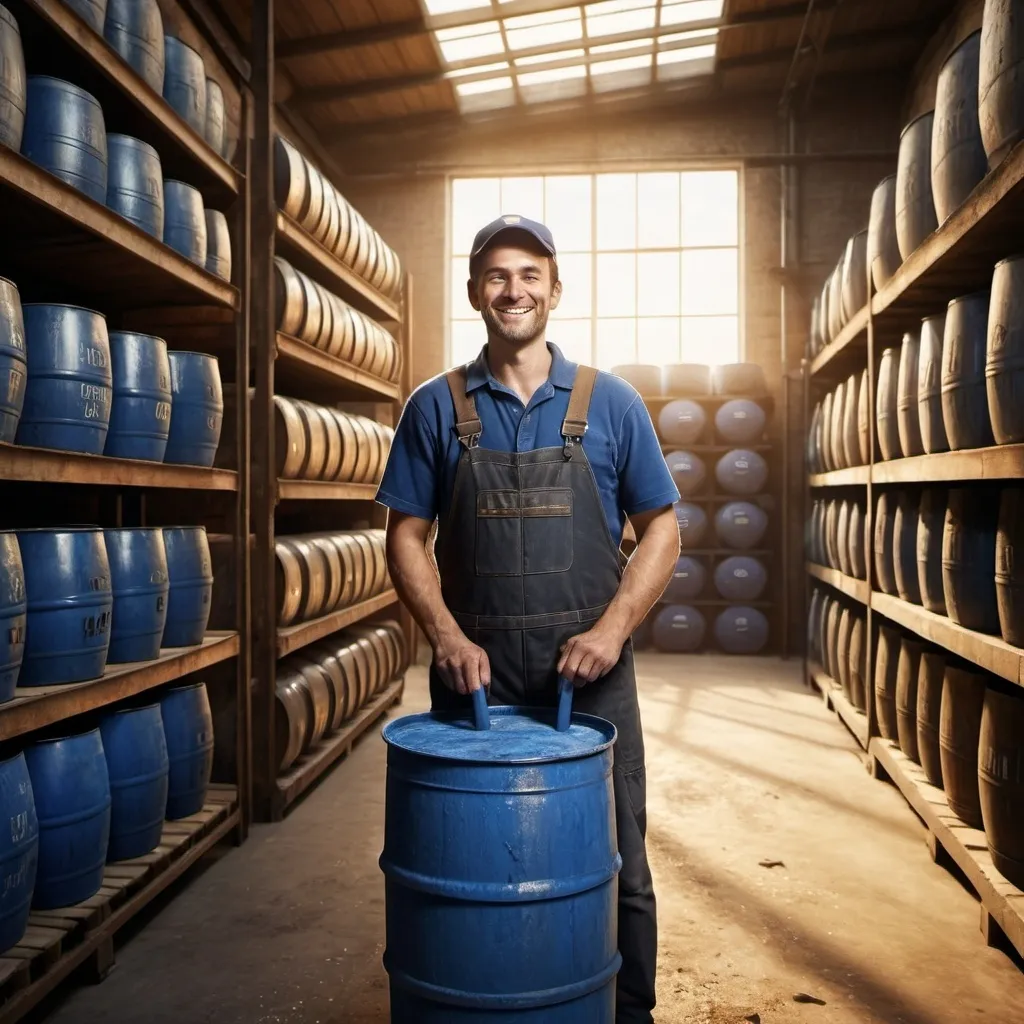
{"x": 181, "y": 42}
{"x": 968, "y": 295}
{"x": 136, "y": 334}
{"x": 59, "y": 529}
{"x": 183, "y": 184}
{"x": 154, "y": 705}
{"x": 70, "y": 86}
{"x": 94, "y": 731}
{"x": 910, "y": 124}
{"x": 882, "y": 181}
{"x": 210, "y": 78}
{"x": 133, "y": 529}
{"x": 1011, "y": 259}
{"x": 856, "y": 234}
{"x": 189, "y": 352}
{"x": 184, "y": 687}
{"x": 136, "y": 143}
{"x": 63, "y": 305}
{"x": 959, "y": 46}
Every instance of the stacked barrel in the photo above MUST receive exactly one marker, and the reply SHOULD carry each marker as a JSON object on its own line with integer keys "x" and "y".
{"x": 712, "y": 423}
{"x": 837, "y": 641}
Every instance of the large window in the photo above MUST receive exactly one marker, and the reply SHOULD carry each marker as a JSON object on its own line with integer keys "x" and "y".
{"x": 649, "y": 263}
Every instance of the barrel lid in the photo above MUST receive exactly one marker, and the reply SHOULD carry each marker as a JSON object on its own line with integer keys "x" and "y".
{"x": 516, "y": 736}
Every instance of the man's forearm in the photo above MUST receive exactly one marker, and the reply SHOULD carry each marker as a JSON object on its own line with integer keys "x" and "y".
{"x": 416, "y": 581}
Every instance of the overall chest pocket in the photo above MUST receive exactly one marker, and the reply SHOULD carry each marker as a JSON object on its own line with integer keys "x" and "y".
{"x": 521, "y": 533}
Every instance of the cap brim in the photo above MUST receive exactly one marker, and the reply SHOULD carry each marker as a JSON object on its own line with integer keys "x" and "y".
{"x": 549, "y": 249}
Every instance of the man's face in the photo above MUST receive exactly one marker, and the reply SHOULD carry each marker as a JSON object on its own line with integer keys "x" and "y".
{"x": 514, "y": 293}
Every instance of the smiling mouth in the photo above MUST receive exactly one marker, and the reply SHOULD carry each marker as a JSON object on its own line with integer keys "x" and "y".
{"x": 516, "y": 310}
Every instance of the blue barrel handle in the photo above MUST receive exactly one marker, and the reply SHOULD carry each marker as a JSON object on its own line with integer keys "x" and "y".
{"x": 482, "y": 717}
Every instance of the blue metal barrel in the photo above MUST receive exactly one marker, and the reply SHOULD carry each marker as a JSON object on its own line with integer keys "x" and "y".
{"x": 138, "y": 574}
{"x": 681, "y": 421}
{"x": 13, "y": 613}
{"x": 740, "y": 578}
{"x": 741, "y": 524}
{"x": 488, "y": 920}
{"x": 135, "y": 30}
{"x": 197, "y": 409}
{"x": 688, "y": 471}
{"x": 743, "y": 631}
{"x": 188, "y": 729}
{"x": 184, "y": 222}
{"x": 678, "y": 629}
{"x": 13, "y": 365}
{"x": 964, "y": 395}
{"x": 741, "y": 472}
{"x": 687, "y": 581}
{"x": 137, "y": 766}
{"x": 135, "y": 183}
{"x": 92, "y": 12}
{"x": 213, "y": 127}
{"x": 67, "y": 583}
{"x": 140, "y": 414}
{"x": 190, "y": 572}
{"x": 185, "y": 82}
{"x": 218, "y": 245}
{"x": 19, "y": 849}
{"x": 72, "y": 795}
{"x": 65, "y": 134}
{"x": 68, "y": 392}
{"x": 740, "y": 421}
{"x": 12, "y": 82}
{"x": 693, "y": 523}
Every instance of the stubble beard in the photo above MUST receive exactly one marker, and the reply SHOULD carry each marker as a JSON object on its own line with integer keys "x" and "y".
{"x": 533, "y": 326}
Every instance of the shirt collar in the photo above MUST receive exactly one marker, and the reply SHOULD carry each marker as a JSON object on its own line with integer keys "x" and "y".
{"x": 562, "y": 375}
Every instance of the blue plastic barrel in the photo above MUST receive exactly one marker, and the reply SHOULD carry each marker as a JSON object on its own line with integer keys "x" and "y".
{"x": 135, "y": 183}
{"x": 135, "y": 30}
{"x": 188, "y": 729}
{"x": 72, "y": 795}
{"x": 681, "y": 421}
{"x": 687, "y": 581}
{"x": 19, "y": 849}
{"x": 13, "y": 85}
{"x": 190, "y": 572}
{"x": 65, "y": 134}
{"x": 13, "y": 365}
{"x": 213, "y": 125}
{"x": 741, "y": 524}
{"x": 140, "y": 413}
{"x": 741, "y": 472}
{"x": 185, "y": 82}
{"x": 197, "y": 409}
{"x": 688, "y": 471}
{"x": 67, "y": 585}
{"x": 138, "y": 767}
{"x": 740, "y": 421}
{"x": 693, "y": 523}
{"x": 68, "y": 392}
{"x": 184, "y": 221}
{"x": 138, "y": 574}
{"x": 740, "y": 578}
{"x": 741, "y": 630}
{"x": 92, "y": 12}
{"x": 488, "y": 920}
{"x": 679, "y": 629}
{"x": 218, "y": 245}
{"x": 13, "y": 613}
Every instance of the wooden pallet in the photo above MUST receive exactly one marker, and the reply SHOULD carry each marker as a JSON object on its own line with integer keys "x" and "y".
{"x": 58, "y": 941}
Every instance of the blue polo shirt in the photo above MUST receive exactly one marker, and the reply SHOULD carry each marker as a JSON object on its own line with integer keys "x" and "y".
{"x": 620, "y": 442}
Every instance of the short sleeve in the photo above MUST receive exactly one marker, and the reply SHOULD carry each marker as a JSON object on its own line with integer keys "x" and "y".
{"x": 409, "y": 483}
{"x": 645, "y": 482}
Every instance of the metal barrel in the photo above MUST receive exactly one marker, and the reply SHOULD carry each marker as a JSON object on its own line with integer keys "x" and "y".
{"x": 190, "y": 575}
{"x": 741, "y": 630}
{"x": 679, "y": 629}
{"x": 72, "y": 797}
{"x": 688, "y": 471}
{"x": 693, "y": 523}
{"x": 19, "y": 849}
{"x": 740, "y": 524}
{"x": 313, "y": 313}
{"x": 835, "y": 427}
{"x": 850, "y": 436}
{"x": 138, "y": 573}
{"x": 188, "y": 730}
{"x": 904, "y": 546}
{"x": 288, "y": 582}
{"x": 829, "y": 632}
{"x": 741, "y": 472}
{"x": 687, "y": 581}
{"x": 969, "y": 558}
{"x": 67, "y": 584}
{"x": 197, "y": 409}
{"x": 963, "y": 700}
{"x": 883, "y": 252}
{"x": 318, "y": 684}
{"x": 137, "y": 765}
{"x": 1001, "y": 79}
{"x": 740, "y": 421}
{"x": 858, "y": 541}
{"x": 930, "y": 525}
{"x": 13, "y": 85}
{"x": 140, "y": 413}
{"x": 885, "y": 523}
{"x": 886, "y": 663}
{"x": 290, "y": 438}
{"x": 858, "y": 661}
{"x": 293, "y": 716}
{"x": 836, "y": 316}
{"x": 135, "y": 183}
{"x": 1004, "y": 352}
{"x": 314, "y": 211}
{"x": 908, "y": 670}
{"x": 824, "y": 314}
{"x": 185, "y": 221}
{"x": 92, "y": 12}
{"x": 218, "y": 244}
{"x": 315, "y": 434}
{"x": 958, "y": 156}
{"x": 327, "y": 657}
{"x": 827, "y": 455}
{"x": 831, "y": 523}
{"x": 213, "y": 120}
{"x": 814, "y": 625}
{"x": 887, "y": 404}
{"x": 289, "y": 298}
{"x": 915, "y": 208}
{"x": 185, "y": 82}
{"x": 929, "y": 385}
{"x": 135, "y": 30}
{"x": 964, "y": 396}
{"x": 854, "y": 287}
{"x": 332, "y": 430}
{"x": 13, "y": 613}
{"x": 930, "y": 675}
{"x": 65, "y": 134}
{"x": 864, "y": 420}
{"x": 1009, "y": 573}
{"x": 908, "y": 421}
{"x": 686, "y": 379}
{"x": 13, "y": 361}
{"x": 740, "y": 578}
{"x": 1001, "y": 782}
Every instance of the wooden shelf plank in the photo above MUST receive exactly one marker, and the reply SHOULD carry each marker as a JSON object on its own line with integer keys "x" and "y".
{"x": 714, "y": 449}
{"x": 848, "y": 585}
{"x": 989, "y": 652}
{"x": 767, "y": 402}
{"x": 72, "y": 249}
{"x": 41, "y": 465}
{"x": 1001, "y": 462}
{"x": 854, "y": 720}
{"x": 309, "y": 256}
{"x": 324, "y": 490}
{"x": 34, "y": 707}
{"x": 850, "y": 344}
{"x": 291, "y": 638}
{"x": 854, "y": 476}
{"x": 57, "y": 41}
{"x": 299, "y": 364}
{"x": 313, "y": 765}
{"x": 1002, "y": 900}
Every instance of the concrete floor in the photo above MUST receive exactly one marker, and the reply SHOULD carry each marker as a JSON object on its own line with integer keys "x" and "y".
{"x": 744, "y": 765}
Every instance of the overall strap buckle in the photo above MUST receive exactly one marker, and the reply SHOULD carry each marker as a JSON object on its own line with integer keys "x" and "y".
{"x": 574, "y": 426}
{"x": 467, "y": 421}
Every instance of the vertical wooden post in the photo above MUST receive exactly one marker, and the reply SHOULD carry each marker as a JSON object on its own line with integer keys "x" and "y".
{"x": 869, "y": 513}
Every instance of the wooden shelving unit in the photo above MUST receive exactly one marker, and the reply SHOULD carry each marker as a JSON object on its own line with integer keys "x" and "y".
{"x": 859, "y": 590}
{"x": 855, "y": 476}
{"x": 854, "y": 720}
{"x": 847, "y": 348}
{"x": 323, "y": 490}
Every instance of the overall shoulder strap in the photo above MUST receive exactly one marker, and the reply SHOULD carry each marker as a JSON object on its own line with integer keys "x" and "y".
{"x": 467, "y": 422}
{"x": 575, "y": 423}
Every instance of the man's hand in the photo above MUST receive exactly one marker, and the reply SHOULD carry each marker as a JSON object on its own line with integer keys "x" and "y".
{"x": 463, "y": 666}
{"x": 588, "y": 656}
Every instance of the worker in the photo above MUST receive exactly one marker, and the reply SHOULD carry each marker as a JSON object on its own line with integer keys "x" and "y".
{"x": 530, "y": 464}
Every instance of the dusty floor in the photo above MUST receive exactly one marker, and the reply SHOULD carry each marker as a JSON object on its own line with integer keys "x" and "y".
{"x": 744, "y": 765}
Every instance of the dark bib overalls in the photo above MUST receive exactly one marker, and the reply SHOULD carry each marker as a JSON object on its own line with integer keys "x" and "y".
{"x": 527, "y": 561}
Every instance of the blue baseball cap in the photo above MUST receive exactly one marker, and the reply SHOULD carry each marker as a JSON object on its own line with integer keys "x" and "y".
{"x": 512, "y": 222}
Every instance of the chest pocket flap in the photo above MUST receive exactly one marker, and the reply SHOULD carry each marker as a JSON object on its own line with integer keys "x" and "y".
{"x": 523, "y": 532}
